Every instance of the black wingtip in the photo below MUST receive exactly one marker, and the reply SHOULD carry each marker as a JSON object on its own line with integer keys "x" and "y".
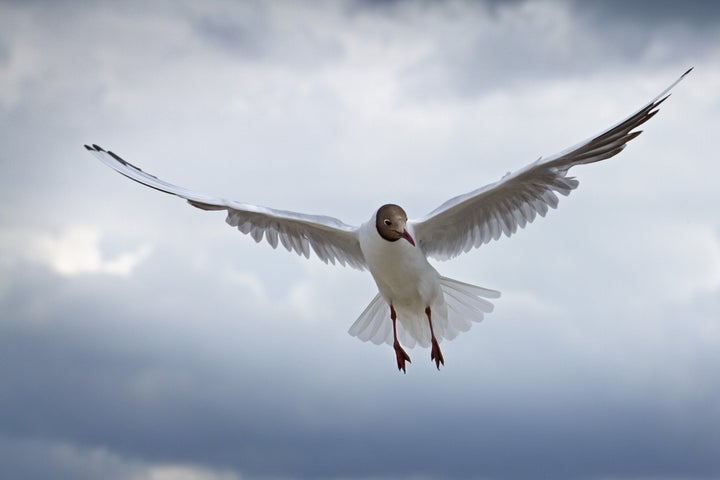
{"x": 688, "y": 71}
{"x": 116, "y": 157}
{"x": 88, "y": 148}
{"x": 661, "y": 101}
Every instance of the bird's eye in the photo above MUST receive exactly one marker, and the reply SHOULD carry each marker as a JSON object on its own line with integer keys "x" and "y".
{"x": 387, "y": 222}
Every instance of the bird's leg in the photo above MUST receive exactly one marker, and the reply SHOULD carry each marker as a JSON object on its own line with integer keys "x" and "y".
{"x": 401, "y": 355}
{"x": 435, "y": 353}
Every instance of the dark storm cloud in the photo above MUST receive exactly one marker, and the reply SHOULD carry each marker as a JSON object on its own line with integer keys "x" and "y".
{"x": 695, "y": 13}
{"x": 698, "y": 12}
{"x": 81, "y": 369}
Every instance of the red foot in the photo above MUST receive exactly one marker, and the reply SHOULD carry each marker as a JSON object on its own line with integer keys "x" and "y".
{"x": 402, "y": 356}
{"x": 436, "y": 354}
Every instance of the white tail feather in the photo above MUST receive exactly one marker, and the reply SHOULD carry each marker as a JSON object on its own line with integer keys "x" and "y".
{"x": 463, "y": 304}
{"x": 370, "y": 322}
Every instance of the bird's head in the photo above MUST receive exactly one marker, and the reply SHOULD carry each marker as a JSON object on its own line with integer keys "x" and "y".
{"x": 391, "y": 221}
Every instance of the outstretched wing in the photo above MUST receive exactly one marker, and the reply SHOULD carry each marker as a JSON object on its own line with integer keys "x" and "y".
{"x": 330, "y": 239}
{"x": 475, "y": 218}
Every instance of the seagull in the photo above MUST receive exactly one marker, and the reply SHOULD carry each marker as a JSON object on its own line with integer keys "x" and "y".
{"x": 423, "y": 306}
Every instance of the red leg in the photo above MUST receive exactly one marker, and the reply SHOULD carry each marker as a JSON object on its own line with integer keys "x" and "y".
{"x": 435, "y": 353}
{"x": 400, "y": 354}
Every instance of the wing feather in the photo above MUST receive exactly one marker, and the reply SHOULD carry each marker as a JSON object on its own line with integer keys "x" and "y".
{"x": 473, "y": 219}
{"x": 330, "y": 239}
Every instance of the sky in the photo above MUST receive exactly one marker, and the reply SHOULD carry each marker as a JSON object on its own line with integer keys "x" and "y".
{"x": 143, "y": 339}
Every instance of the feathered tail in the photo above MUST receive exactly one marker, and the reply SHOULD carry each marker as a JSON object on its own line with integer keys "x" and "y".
{"x": 465, "y": 304}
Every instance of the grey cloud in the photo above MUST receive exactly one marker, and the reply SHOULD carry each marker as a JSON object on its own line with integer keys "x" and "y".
{"x": 144, "y": 383}
{"x": 585, "y": 369}
{"x": 699, "y": 13}
{"x": 524, "y": 42}
{"x": 33, "y": 459}
{"x": 241, "y": 40}
{"x": 252, "y": 33}
{"x": 4, "y": 52}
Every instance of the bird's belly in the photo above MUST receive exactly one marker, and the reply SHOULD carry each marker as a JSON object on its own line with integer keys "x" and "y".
{"x": 402, "y": 273}
{"x": 404, "y": 283}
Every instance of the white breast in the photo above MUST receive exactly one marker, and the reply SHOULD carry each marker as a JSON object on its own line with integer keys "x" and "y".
{"x": 402, "y": 273}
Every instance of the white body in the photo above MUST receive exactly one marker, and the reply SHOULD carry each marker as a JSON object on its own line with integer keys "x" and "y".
{"x": 405, "y": 280}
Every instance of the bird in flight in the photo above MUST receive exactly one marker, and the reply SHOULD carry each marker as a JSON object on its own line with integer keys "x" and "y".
{"x": 423, "y": 307}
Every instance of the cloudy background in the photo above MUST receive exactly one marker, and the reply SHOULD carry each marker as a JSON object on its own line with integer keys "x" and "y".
{"x": 141, "y": 339}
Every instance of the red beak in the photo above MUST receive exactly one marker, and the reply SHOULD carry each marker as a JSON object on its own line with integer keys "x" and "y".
{"x": 407, "y": 237}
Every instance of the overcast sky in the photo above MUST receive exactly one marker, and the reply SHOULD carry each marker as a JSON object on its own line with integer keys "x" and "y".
{"x": 142, "y": 339}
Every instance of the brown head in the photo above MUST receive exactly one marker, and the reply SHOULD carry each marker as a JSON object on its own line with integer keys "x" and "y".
{"x": 390, "y": 223}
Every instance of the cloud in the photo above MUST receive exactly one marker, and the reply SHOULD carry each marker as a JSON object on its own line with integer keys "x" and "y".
{"x": 665, "y": 13}
{"x": 257, "y": 391}
{"x": 76, "y": 251}
{"x": 528, "y": 43}
{"x": 142, "y": 338}
{"x": 57, "y": 459}
{"x": 282, "y": 34}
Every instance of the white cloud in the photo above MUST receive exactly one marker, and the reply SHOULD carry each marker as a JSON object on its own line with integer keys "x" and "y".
{"x": 73, "y": 251}
{"x": 33, "y": 458}
{"x": 180, "y": 472}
